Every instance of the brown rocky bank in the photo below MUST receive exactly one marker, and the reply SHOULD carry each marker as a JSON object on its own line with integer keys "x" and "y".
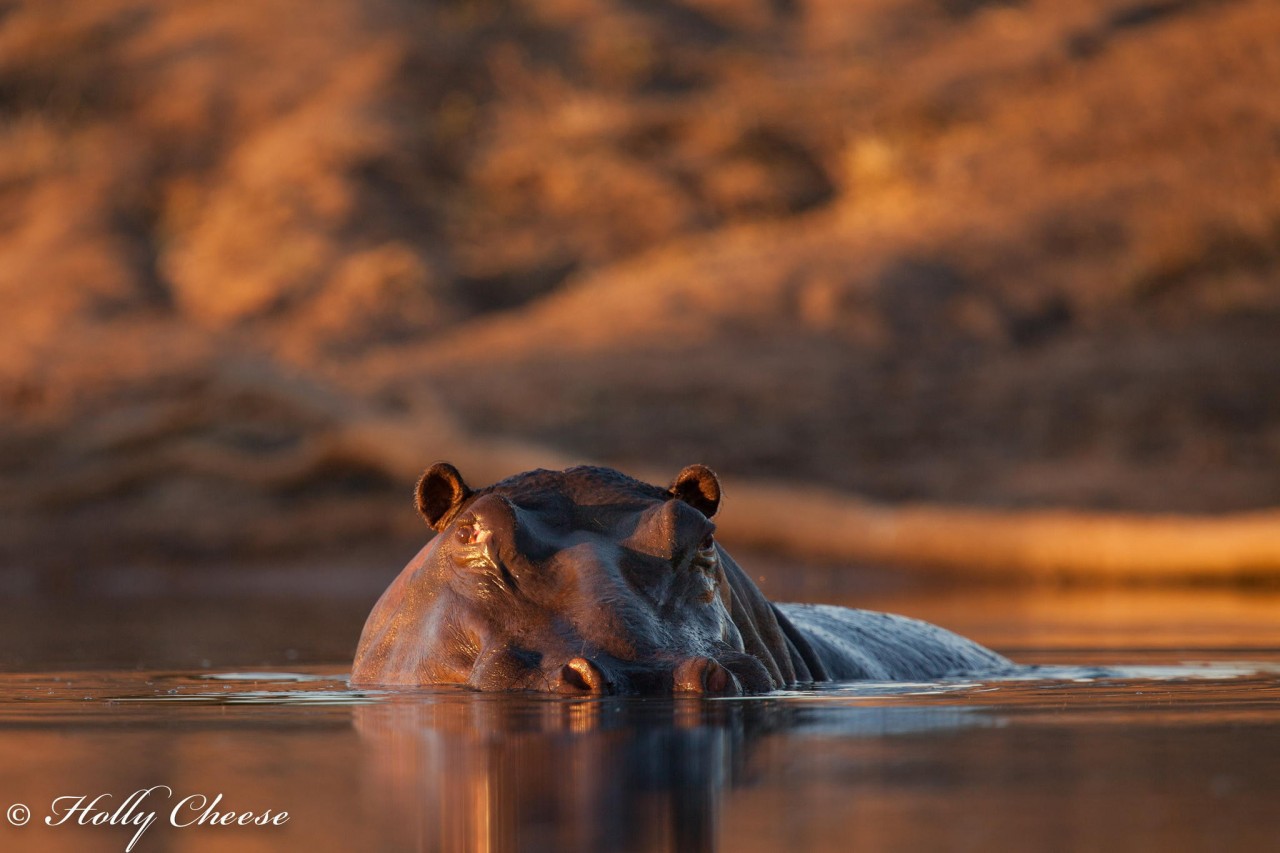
{"x": 260, "y": 262}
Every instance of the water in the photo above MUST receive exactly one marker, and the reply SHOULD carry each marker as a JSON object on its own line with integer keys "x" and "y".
{"x": 1152, "y": 721}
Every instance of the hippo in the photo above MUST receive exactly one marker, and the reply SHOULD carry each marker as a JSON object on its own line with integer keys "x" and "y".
{"x": 587, "y": 581}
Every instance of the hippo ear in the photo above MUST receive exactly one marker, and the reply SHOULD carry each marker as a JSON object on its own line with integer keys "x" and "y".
{"x": 440, "y": 494}
{"x": 698, "y": 486}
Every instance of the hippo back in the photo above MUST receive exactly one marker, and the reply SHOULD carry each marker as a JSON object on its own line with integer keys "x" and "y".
{"x": 865, "y": 644}
{"x": 802, "y": 643}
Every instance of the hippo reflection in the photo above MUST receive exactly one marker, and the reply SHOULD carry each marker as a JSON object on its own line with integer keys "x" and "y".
{"x": 587, "y": 581}
{"x": 454, "y": 771}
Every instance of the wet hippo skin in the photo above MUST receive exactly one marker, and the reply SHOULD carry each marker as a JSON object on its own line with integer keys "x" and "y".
{"x": 589, "y": 581}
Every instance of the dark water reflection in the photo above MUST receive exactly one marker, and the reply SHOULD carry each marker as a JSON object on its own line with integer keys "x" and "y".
{"x": 596, "y": 775}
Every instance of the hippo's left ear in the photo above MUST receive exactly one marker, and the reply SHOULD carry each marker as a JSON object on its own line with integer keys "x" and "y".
{"x": 698, "y": 486}
{"x": 440, "y": 494}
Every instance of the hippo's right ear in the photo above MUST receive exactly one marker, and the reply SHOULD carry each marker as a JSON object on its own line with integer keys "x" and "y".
{"x": 440, "y": 494}
{"x": 698, "y": 486}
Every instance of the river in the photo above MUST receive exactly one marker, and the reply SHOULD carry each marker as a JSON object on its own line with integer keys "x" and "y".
{"x": 1148, "y": 718}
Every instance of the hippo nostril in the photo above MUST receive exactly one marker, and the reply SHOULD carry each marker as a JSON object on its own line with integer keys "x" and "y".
{"x": 582, "y": 675}
{"x": 718, "y": 680}
{"x": 704, "y": 675}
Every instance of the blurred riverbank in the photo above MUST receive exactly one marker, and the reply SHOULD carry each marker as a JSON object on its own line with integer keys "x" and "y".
{"x": 966, "y": 255}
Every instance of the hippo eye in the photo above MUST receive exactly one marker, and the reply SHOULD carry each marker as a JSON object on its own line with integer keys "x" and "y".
{"x": 708, "y": 542}
{"x": 469, "y": 534}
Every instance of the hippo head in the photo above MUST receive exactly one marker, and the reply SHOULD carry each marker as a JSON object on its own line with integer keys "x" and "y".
{"x": 583, "y": 581}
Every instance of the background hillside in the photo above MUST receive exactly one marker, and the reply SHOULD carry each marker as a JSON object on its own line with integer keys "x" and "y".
{"x": 1002, "y": 254}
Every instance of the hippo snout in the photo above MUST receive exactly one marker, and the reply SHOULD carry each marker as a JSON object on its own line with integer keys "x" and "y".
{"x": 698, "y": 675}
{"x": 706, "y": 676}
{"x": 583, "y": 676}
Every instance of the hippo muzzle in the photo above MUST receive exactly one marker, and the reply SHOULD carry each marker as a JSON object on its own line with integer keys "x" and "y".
{"x": 582, "y": 676}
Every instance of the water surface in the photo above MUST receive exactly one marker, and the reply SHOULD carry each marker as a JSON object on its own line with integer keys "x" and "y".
{"x": 1152, "y": 721}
